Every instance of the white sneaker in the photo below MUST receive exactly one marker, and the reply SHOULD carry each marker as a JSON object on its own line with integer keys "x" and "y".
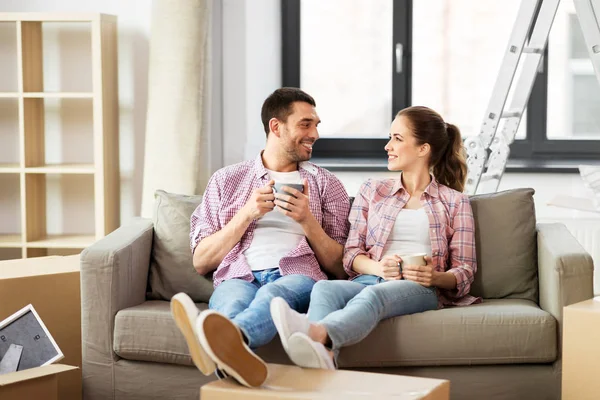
{"x": 185, "y": 313}
{"x": 287, "y": 321}
{"x": 223, "y": 342}
{"x": 307, "y": 353}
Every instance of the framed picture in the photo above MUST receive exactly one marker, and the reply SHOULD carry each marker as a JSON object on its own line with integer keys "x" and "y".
{"x": 25, "y": 328}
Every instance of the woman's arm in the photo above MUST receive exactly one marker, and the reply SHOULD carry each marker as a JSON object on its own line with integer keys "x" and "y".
{"x": 463, "y": 257}
{"x": 358, "y": 218}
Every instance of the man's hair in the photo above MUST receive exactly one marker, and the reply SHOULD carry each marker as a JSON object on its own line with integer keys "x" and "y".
{"x": 280, "y": 104}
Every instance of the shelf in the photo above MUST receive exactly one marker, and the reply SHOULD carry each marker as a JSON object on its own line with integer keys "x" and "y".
{"x": 59, "y": 164}
{"x": 10, "y": 210}
{"x": 10, "y": 168}
{"x": 62, "y": 169}
{"x": 8, "y": 241}
{"x": 11, "y": 253}
{"x": 9, "y": 132}
{"x": 56, "y": 17}
{"x": 59, "y": 131}
{"x": 8, "y": 58}
{"x": 62, "y": 242}
{"x": 58, "y": 95}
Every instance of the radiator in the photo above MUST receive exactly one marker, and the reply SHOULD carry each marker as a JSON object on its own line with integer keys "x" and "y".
{"x": 587, "y": 233}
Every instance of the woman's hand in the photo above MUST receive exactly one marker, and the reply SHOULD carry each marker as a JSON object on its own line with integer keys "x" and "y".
{"x": 422, "y": 274}
{"x": 388, "y": 268}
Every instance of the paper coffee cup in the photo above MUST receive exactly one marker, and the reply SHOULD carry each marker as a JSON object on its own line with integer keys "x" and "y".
{"x": 413, "y": 259}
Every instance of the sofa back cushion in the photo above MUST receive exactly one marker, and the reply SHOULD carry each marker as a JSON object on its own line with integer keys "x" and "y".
{"x": 506, "y": 241}
{"x": 171, "y": 268}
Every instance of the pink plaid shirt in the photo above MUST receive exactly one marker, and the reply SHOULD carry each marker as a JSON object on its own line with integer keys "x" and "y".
{"x": 228, "y": 191}
{"x": 451, "y": 230}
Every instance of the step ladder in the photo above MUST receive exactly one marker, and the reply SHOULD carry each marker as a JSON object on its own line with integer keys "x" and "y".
{"x": 487, "y": 153}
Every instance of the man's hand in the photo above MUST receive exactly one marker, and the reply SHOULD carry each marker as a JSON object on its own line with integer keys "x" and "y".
{"x": 260, "y": 202}
{"x": 388, "y": 268}
{"x": 296, "y": 206}
{"x": 422, "y": 274}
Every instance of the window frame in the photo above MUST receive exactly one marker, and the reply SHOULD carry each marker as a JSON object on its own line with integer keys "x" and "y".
{"x": 358, "y": 151}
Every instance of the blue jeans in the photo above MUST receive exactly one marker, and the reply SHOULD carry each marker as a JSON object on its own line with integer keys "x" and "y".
{"x": 247, "y": 304}
{"x": 350, "y": 310}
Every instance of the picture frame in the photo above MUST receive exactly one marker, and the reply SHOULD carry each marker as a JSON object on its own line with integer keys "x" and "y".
{"x": 26, "y": 328}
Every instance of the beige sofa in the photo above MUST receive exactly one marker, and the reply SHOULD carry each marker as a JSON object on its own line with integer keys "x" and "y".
{"x": 508, "y": 347}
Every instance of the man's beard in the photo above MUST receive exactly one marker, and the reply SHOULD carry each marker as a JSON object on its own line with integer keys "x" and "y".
{"x": 295, "y": 154}
{"x": 295, "y": 151}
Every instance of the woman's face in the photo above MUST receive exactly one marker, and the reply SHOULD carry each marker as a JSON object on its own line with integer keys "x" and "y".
{"x": 402, "y": 149}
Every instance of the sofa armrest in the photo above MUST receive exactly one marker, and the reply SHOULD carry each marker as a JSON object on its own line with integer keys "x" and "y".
{"x": 566, "y": 270}
{"x": 114, "y": 276}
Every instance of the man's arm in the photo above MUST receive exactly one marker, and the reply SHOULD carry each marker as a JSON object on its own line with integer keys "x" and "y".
{"x": 211, "y": 250}
{"x": 213, "y": 243}
{"x": 328, "y": 251}
{"x": 326, "y": 241}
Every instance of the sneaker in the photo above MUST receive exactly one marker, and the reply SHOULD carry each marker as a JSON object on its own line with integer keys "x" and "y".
{"x": 287, "y": 321}
{"x": 224, "y": 343}
{"x": 185, "y": 313}
{"x": 307, "y": 353}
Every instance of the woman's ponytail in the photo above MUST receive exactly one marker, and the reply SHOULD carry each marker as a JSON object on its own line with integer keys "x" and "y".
{"x": 451, "y": 169}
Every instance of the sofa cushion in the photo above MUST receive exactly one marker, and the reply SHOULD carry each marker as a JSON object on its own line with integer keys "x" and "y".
{"x": 506, "y": 331}
{"x": 171, "y": 268}
{"x": 506, "y": 241}
{"x": 495, "y": 332}
{"x": 147, "y": 332}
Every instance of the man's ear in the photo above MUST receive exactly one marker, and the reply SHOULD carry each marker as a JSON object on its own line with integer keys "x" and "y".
{"x": 274, "y": 126}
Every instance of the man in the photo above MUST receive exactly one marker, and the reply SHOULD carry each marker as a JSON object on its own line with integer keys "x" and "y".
{"x": 263, "y": 244}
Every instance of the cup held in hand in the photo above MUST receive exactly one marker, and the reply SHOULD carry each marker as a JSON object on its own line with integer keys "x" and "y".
{"x": 278, "y": 185}
{"x": 412, "y": 259}
{"x": 277, "y": 188}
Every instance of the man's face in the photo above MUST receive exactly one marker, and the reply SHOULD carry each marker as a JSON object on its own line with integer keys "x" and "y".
{"x": 299, "y": 132}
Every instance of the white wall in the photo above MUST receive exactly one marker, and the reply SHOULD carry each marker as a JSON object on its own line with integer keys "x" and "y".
{"x": 251, "y": 71}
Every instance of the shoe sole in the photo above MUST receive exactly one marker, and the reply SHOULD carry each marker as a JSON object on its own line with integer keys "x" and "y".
{"x": 303, "y": 353}
{"x": 224, "y": 343}
{"x": 278, "y": 317}
{"x": 182, "y": 319}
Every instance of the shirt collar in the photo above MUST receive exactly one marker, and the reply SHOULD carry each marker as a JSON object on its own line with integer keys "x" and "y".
{"x": 259, "y": 167}
{"x": 432, "y": 189}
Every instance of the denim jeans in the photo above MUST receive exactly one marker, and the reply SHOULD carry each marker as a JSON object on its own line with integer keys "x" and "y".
{"x": 247, "y": 304}
{"x": 350, "y": 310}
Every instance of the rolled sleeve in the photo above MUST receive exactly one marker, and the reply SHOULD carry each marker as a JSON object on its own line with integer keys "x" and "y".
{"x": 205, "y": 218}
{"x": 463, "y": 257}
{"x": 336, "y": 205}
{"x": 358, "y": 219}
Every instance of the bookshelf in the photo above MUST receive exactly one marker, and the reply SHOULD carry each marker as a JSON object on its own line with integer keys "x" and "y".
{"x": 59, "y": 135}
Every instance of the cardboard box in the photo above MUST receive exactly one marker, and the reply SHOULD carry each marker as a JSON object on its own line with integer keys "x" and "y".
{"x": 35, "y": 383}
{"x": 291, "y": 382}
{"x": 51, "y": 285}
{"x": 581, "y": 351}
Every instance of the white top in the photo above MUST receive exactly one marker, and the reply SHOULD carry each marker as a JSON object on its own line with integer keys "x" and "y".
{"x": 276, "y": 234}
{"x": 409, "y": 235}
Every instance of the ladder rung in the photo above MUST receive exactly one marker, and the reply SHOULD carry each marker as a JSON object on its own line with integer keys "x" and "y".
{"x": 511, "y": 114}
{"x": 533, "y": 50}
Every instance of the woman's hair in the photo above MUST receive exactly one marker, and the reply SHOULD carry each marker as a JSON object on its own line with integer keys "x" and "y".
{"x": 447, "y": 152}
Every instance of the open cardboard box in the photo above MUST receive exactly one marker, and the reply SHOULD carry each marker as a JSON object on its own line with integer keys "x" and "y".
{"x": 580, "y": 350}
{"x": 51, "y": 285}
{"x": 291, "y": 382}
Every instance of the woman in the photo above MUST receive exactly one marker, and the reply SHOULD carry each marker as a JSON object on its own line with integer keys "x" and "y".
{"x": 421, "y": 211}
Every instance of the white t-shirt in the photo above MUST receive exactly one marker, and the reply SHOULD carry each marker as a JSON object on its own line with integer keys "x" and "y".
{"x": 410, "y": 234}
{"x": 276, "y": 234}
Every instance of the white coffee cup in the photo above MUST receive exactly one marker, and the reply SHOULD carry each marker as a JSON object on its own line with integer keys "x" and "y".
{"x": 414, "y": 259}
